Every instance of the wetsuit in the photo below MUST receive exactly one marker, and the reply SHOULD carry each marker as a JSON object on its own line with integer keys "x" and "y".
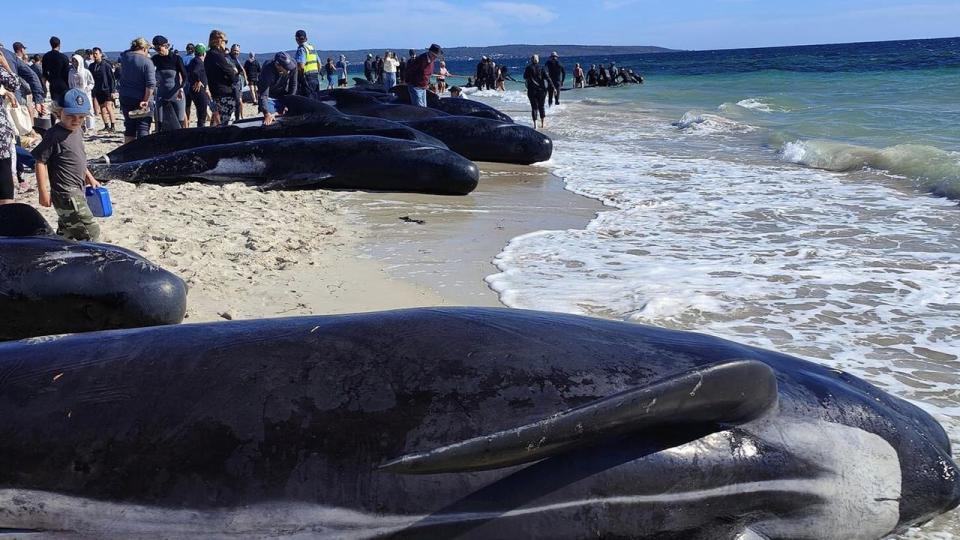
{"x": 238, "y": 86}
{"x": 557, "y": 76}
{"x": 538, "y": 84}
{"x": 368, "y": 69}
{"x": 602, "y": 79}
{"x": 481, "y": 66}
{"x": 592, "y": 77}
{"x": 171, "y": 105}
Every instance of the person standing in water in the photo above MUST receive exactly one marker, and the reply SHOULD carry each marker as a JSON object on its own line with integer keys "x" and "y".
{"x": 538, "y": 84}
{"x": 557, "y": 77}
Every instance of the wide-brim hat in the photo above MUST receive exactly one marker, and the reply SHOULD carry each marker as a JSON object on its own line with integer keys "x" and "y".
{"x": 435, "y": 49}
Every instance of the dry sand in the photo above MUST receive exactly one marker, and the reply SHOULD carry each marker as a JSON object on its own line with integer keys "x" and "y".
{"x": 247, "y": 254}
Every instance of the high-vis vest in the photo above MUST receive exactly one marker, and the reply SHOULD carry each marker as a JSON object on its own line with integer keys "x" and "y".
{"x": 312, "y": 65}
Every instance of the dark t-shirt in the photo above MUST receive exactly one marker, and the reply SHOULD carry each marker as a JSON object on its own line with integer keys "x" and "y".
{"x": 62, "y": 151}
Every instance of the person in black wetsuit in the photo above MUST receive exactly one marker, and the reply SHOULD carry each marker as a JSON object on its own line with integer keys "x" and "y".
{"x": 602, "y": 78}
{"x": 592, "y": 75}
{"x": 171, "y": 77}
{"x": 557, "y": 76}
{"x": 538, "y": 84}
{"x": 252, "y": 67}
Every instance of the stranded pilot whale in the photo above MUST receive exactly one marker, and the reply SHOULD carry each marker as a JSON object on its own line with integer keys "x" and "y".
{"x": 49, "y": 285}
{"x": 454, "y": 422}
{"x": 336, "y": 162}
{"x": 316, "y": 124}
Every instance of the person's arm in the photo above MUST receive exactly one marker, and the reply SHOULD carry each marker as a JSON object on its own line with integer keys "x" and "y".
{"x": 43, "y": 183}
{"x": 563, "y": 76}
{"x": 88, "y": 177}
{"x": 26, "y": 73}
{"x": 182, "y": 71}
{"x": 150, "y": 73}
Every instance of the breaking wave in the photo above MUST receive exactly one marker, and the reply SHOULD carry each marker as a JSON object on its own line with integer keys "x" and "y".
{"x": 934, "y": 170}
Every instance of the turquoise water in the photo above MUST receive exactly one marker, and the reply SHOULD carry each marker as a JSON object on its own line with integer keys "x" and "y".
{"x": 891, "y": 106}
{"x": 810, "y": 212}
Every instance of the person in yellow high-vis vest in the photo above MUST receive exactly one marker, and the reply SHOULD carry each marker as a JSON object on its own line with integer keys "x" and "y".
{"x": 308, "y": 64}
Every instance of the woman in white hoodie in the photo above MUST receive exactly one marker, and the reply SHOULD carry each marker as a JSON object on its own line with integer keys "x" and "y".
{"x": 80, "y": 77}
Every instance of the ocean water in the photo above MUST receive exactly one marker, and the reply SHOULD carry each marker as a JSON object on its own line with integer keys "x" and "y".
{"x": 801, "y": 199}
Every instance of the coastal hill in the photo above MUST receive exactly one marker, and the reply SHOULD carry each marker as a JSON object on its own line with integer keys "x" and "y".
{"x": 471, "y": 53}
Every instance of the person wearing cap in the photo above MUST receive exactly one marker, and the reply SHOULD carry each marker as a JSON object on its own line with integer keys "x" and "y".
{"x": 197, "y": 83}
{"x": 557, "y": 76}
{"x": 234, "y": 59}
{"x": 278, "y": 78}
{"x": 418, "y": 74}
{"x": 369, "y": 68}
{"x": 538, "y": 84}
{"x": 62, "y": 170}
{"x": 171, "y": 107}
{"x": 138, "y": 80}
{"x": 222, "y": 75}
{"x": 308, "y": 64}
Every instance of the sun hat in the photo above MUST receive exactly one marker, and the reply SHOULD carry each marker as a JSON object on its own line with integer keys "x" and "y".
{"x": 76, "y": 102}
{"x": 435, "y": 49}
{"x": 284, "y": 60}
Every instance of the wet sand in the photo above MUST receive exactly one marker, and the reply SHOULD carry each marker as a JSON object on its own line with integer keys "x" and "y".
{"x": 247, "y": 254}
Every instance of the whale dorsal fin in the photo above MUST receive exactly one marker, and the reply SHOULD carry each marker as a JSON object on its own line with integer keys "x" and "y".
{"x": 727, "y": 393}
{"x": 19, "y": 219}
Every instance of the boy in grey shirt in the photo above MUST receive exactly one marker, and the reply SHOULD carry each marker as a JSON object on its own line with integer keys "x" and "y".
{"x": 62, "y": 170}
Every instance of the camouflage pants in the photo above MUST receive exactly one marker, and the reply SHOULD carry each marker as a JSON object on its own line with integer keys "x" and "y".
{"x": 75, "y": 219}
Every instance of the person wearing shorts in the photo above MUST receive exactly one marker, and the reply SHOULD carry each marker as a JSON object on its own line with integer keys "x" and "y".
{"x": 138, "y": 80}
{"x": 104, "y": 86}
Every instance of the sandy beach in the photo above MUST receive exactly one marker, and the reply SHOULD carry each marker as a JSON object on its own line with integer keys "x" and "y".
{"x": 249, "y": 254}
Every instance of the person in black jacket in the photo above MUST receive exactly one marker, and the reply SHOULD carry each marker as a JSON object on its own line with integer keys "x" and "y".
{"x": 252, "y": 68}
{"x": 557, "y": 76}
{"x": 222, "y": 75}
{"x": 199, "y": 86}
{"x": 538, "y": 84}
{"x": 56, "y": 71}
{"x": 104, "y": 86}
{"x": 278, "y": 78}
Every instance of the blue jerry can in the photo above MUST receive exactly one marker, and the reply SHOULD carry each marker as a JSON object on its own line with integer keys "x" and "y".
{"x": 98, "y": 199}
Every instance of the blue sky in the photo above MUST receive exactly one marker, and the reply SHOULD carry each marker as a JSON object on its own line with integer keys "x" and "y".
{"x": 269, "y": 26}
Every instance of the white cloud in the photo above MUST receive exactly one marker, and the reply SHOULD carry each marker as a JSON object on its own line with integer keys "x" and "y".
{"x": 524, "y": 12}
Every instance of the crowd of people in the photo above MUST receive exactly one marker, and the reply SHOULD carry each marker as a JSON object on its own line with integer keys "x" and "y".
{"x": 58, "y": 96}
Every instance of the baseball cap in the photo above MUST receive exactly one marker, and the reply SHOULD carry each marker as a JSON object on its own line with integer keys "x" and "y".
{"x": 76, "y": 102}
{"x": 554, "y": 54}
{"x": 159, "y": 41}
{"x": 301, "y": 34}
{"x": 200, "y": 49}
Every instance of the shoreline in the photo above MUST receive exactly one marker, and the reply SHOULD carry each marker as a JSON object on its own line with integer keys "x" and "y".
{"x": 247, "y": 254}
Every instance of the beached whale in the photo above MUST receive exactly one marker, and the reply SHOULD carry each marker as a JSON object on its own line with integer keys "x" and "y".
{"x": 453, "y": 106}
{"x": 49, "y": 285}
{"x": 454, "y": 422}
{"x": 313, "y": 125}
{"x": 336, "y": 162}
{"x": 479, "y": 139}
{"x": 482, "y": 139}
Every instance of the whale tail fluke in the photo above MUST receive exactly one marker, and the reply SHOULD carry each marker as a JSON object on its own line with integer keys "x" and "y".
{"x": 723, "y": 394}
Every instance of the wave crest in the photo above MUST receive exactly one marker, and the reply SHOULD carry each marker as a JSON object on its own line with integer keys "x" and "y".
{"x": 937, "y": 171}
{"x": 695, "y": 121}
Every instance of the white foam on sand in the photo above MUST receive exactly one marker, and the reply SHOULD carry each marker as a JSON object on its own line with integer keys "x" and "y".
{"x": 844, "y": 270}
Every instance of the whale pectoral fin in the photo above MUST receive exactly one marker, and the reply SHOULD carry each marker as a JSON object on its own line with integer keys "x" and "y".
{"x": 295, "y": 181}
{"x": 727, "y": 393}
